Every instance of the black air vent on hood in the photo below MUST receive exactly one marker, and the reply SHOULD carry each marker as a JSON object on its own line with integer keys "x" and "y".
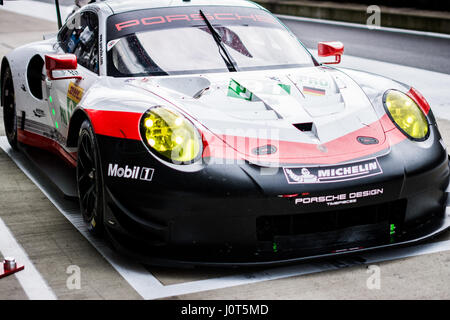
{"x": 305, "y": 127}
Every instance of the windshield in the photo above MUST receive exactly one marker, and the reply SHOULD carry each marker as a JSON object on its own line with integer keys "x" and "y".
{"x": 173, "y": 41}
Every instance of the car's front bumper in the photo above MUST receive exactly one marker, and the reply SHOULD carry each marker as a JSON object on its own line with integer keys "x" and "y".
{"x": 139, "y": 251}
{"x": 222, "y": 215}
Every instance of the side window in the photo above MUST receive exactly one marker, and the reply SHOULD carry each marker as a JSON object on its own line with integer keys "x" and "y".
{"x": 81, "y": 39}
{"x": 64, "y": 37}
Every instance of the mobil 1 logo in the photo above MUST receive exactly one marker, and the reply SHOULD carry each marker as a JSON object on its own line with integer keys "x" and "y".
{"x": 128, "y": 172}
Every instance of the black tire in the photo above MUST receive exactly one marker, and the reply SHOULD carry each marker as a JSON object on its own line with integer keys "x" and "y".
{"x": 9, "y": 109}
{"x": 90, "y": 180}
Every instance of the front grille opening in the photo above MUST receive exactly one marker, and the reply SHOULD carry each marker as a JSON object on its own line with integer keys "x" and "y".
{"x": 269, "y": 227}
{"x": 138, "y": 230}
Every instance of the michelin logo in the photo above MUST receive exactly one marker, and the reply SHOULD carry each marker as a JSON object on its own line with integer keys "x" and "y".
{"x": 335, "y": 173}
{"x": 137, "y": 173}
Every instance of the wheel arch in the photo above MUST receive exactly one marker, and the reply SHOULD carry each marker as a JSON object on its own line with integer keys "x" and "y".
{"x": 78, "y": 117}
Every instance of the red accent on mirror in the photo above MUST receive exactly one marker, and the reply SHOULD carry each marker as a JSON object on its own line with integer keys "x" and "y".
{"x": 61, "y": 62}
{"x": 331, "y": 48}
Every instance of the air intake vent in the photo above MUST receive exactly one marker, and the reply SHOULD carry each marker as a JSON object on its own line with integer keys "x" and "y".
{"x": 305, "y": 127}
{"x": 270, "y": 227}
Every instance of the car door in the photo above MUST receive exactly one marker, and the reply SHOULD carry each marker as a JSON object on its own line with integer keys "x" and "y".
{"x": 80, "y": 37}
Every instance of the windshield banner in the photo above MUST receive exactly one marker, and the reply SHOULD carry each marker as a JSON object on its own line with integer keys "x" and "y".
{"x": 127, "y": 23}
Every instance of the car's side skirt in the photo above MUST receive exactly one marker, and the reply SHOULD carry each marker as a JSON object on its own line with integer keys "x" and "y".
{"x": 39, "y": 135}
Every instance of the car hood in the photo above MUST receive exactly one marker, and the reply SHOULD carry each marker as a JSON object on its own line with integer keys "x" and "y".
{"x": 313, "y": 114}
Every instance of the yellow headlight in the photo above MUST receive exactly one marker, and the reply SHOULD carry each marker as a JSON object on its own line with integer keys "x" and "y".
{"x": 406, "y": 114}
{"x": 170, "y": 134}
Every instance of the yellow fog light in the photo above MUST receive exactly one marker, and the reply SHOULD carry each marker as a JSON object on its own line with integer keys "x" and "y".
{"x": 171, "y": 135}
{"x": 406, "y": 114}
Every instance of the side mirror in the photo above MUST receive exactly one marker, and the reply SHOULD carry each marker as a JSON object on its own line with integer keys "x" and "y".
{"x": 61, "y": 62}
{"x": 331, "y": 48}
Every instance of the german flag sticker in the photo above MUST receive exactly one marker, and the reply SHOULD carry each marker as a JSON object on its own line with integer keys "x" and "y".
{"x": 314, "y": 91}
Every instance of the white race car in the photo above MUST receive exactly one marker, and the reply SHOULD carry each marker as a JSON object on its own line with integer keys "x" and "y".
{"x": 204, "y": 132}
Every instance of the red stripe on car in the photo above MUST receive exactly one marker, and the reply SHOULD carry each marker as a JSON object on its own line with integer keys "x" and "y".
{"x": 36, "y": 140}
{"x": 342, "y": 149}
{"x": 119, "y": 124}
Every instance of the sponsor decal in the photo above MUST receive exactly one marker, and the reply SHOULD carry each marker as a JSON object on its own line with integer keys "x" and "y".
{"x": 74, "y": 95}
{"x": 334, "y": 173}
{"x": 235, "y": 90}
{"x": 101, "y": 49}
{"x": 238, "y": 90}
{"x": 131, "y": 22}
{"x": 339, "y": 199}
{"x": 135, "y": 172}
{"x": 63, "y": 115}
{"x": 111, "y": 44}
{"x": 173, "y": 19}
{"x": 72, "y": 73}
{"x": 314, "y": 82}
{"x": 285, "y": 87}
{"x": 314, "y": 91}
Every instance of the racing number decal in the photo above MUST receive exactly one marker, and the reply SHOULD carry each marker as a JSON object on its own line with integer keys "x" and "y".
{"x": 74, "y": 95}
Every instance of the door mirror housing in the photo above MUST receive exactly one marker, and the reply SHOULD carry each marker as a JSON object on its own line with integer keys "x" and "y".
{"x": 331, "y": 48}
{"x": 61, "y": 62}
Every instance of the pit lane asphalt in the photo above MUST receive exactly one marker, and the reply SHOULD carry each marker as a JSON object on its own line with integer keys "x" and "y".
{"x": 414, "y": 50}
{"x": 49, "y": 240}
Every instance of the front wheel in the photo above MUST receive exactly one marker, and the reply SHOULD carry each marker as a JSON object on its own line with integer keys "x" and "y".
{"x": 9, "y": 109}
{"x": 90, "y": 179}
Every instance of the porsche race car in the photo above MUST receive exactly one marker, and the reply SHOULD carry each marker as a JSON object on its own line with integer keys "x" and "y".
{"x": 203, "y": 132}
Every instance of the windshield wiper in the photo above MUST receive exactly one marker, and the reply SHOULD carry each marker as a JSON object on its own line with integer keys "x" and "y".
{"x": 231, "y": 64}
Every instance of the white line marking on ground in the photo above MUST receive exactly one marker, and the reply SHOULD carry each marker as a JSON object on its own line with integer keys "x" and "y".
{"x": 134, "y": 273}
{"x": 363, "y": 26}
{"x": 30, "y": 279}
{"x": 298, "y": 270}
{"x": 150, "y": 288}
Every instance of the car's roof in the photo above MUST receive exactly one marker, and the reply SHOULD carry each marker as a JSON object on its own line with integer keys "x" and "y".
{"x": 119, "y": 6}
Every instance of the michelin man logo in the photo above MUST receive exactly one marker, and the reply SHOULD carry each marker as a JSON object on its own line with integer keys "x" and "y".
{"x": 305, "y": 177}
